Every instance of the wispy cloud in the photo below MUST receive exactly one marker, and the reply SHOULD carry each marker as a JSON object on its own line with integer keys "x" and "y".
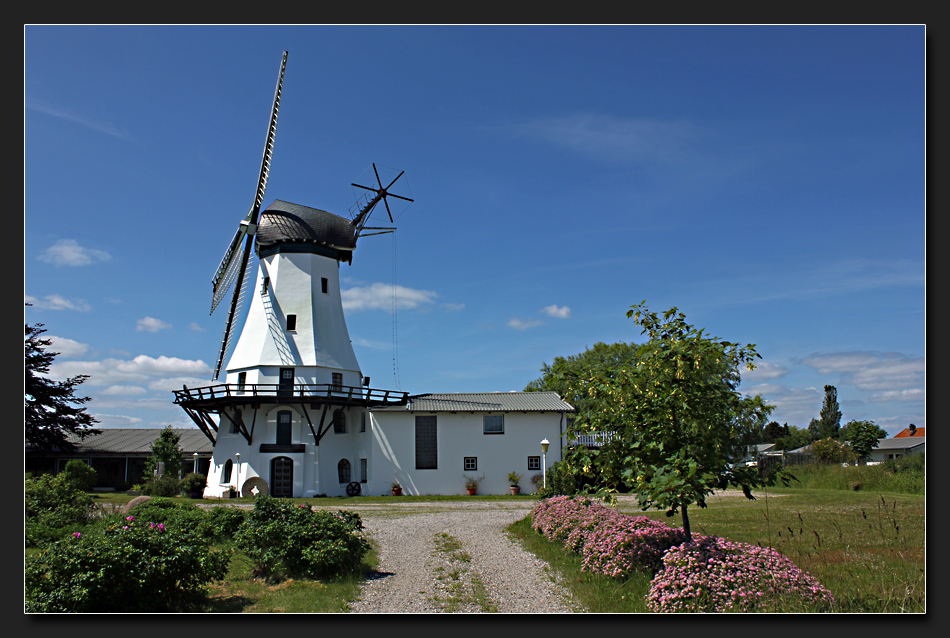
{"x": 136, "y": 371}
{"x": 612, "y": 138}
{"x": 68, "y": 252}
{"x": 562, "y": 312}
{"x": 914, "y": 394}
{"x": 65, "y": 114}
{"x": 380, "y": 296}
{"x": 58, "y": 302}
{"x": 764, "y": 370}
{"x": 871, "y": 370}
{"x": 523, "y": 324}
{"x": 195, "y": 327}
{"x": 151, "y": 324}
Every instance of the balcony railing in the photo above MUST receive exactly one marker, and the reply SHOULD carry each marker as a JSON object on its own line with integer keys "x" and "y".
{"x": 315, "y": 391}
{"x": 596, "y": 439}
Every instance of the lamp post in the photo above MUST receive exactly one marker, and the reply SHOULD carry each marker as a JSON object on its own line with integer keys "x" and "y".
{"x": 196, "y": 462}
{"x": 544, "y": 462}
{"x": 237, "y": 476}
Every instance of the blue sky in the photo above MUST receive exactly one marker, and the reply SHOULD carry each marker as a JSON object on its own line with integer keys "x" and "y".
{"x": 767, "y": 181}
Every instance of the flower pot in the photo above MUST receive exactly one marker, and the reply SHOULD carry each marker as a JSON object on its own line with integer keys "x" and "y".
{"x": 515, "y": 490}
{"x": 471, "y": 490}
{"x": 397, "y": 491}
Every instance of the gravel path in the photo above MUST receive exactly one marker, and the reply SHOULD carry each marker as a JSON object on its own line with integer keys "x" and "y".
{"x": 444, "y": 559}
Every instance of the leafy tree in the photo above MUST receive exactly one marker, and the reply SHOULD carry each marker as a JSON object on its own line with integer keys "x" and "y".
{"x": 679, "y": 425}
{"x": 862, "y": 436}
{"x": 831, "y": 451}
{"x": 830, "y": 415}
{"x": 598, "y": 360}
{"x": 80, "y": 474}
{"x": 167, "y": 450}
{"x": 773, "y": 432}
{"x": 51, "y": 408}
{"x": 794, "y": 438}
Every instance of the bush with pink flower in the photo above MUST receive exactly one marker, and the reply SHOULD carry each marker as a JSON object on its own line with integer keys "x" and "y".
{"x": 712, "y": 574}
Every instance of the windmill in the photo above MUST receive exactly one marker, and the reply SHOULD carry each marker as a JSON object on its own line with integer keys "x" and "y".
{"x": 234, "y": 267}
{"x": 380, "y": 194}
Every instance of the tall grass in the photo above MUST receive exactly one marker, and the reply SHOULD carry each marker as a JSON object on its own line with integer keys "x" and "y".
{"x": 901, "y": 476}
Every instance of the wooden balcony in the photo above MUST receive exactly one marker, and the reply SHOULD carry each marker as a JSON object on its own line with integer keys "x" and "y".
{"x": 258, "y": 393}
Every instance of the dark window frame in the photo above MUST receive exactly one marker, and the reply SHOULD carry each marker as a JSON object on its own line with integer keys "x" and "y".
{"x": 427, "y": 442}
{"x": 285, "y": 429}
{"x": 344, "y": 472}
{"x": 469, "y": 463}
{"x": 485, "y": 419}
{"x": 534, "y": 463}
{"x": 291, "y": 323}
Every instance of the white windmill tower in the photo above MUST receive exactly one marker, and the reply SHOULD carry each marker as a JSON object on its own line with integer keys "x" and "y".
{"x": 292, "y": 364}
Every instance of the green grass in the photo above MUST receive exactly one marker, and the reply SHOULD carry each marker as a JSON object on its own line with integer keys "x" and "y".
{"x": 241, "y": 592}
{"x": 866, "y": 548}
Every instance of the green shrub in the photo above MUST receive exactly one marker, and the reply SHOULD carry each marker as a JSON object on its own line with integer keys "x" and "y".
{"x": 193, "y": 482}
{"x": 132, "y": 566}
{"x": 165, "y": 485}
{"x": 287, "y": 540}
{"x": 80, "y": 474}
{"x": 179, "y": 514}
{"x": 54, "y": 507}
{"x": 563, "y": 480}
{"x": 223, "y": 522}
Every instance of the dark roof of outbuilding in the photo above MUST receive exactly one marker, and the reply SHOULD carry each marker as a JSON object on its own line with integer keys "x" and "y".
{"x": 137, "y": 441}
{"x": 485, "y": 402}
{"x": 284, "y": 222}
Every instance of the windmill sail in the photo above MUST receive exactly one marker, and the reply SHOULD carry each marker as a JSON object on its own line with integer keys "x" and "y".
{"x": 231, "y": 266}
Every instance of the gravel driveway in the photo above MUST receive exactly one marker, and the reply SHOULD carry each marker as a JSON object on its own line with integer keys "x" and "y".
{"x": 445, "y": 557}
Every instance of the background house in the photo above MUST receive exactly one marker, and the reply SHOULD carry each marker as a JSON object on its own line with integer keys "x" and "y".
{"x": 897, "y": 447}
{"x": 118, "y": 454}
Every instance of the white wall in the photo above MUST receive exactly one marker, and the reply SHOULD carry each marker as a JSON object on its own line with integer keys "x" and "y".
{"x": 460, "y": 435}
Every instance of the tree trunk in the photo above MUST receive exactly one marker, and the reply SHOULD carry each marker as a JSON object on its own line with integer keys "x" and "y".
{"x": 689, "y": 536}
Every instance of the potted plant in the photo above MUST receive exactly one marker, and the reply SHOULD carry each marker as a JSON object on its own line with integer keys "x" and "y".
{"x": 513, "y": 478}
{"x": 193, "y": 484}
{"x": 397, "y": 488}
{"x": 471, "y": 483}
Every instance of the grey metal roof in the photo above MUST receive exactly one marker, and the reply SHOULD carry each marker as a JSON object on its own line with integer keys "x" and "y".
{"x": 284, "y": 222}
{"x": 902, "y": 443}
{"x": 138, "y": 441}
{"x": 486, "y": 402}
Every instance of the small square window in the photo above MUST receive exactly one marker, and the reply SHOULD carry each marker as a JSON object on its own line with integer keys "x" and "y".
{"x": 534, "y": 462}
{"x": 470, "y": 463}
{"x": 337, "y": 381}
{"x": 325, "y": 284}
{"x": 242, "y": 380}
{"x": 291, "y": 322}
{"x": 494, "y": 424}
{"x": 265, "y": 286}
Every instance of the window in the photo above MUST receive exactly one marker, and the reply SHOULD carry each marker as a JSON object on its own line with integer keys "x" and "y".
{"x": 343, "y": 469}
{"x": 265, "y": 286}
{"x": 337, "y": 382}
{"x": 284, "y": 427}
{"x": 226, "y": 474}
{"x": 427, "y": 444}
{"x": 534, "y": 463}
{"x": 470, "y": 463}
{"x": 339, "y": 422}
{"x": 324, "y": 284}
{"x": 494, "y": 424}
{"x": 362, "y": 421}
{"x": 363, "y": 473}
{"x": 242, "y": 380}
{"x": 291, "y": 322}
{"x": 234, "y": 420}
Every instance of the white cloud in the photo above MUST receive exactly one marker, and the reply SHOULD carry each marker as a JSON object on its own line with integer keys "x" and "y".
{"x": 68, "y": 252}
{"x": 124, "y": 390}
{"x": 553, "y": 310}
{"x": 375, "y": 345}
{"x": 67, "y": 348}
{"x": 65, "y": 114}
{"x": 453, "y": 307}
{"x": 871, "y": 370}
{"x": 117, "y": 421}
{"x": 914, "y": 394}
{"x": 128, "y": 372}
{"x": 151, "y": 324}
{"x": 763, "y": 370}
{"x": 194, "y": 326}
{"x": 175, "y": 383}
{"x": 58, "y": 302}
{"x": 379, "y": 296}
{"x": 795, "y": 406}
{"x": 523, "y": 324}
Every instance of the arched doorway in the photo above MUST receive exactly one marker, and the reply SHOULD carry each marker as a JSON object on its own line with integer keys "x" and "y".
{"x": 282, "y": 477}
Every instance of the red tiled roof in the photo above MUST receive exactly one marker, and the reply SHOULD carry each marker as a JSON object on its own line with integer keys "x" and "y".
{"x": 906, "y": 432}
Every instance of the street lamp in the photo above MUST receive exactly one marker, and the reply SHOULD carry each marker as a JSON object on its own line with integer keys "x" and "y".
{"x": 196, "y": 462}
{"x": 544, "y": 462}
{"x": 237, "y": 476}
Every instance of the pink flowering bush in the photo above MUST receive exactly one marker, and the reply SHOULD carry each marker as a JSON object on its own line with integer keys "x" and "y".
{"x": 610, "y": 542}
{"x": 715, "y": 575}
